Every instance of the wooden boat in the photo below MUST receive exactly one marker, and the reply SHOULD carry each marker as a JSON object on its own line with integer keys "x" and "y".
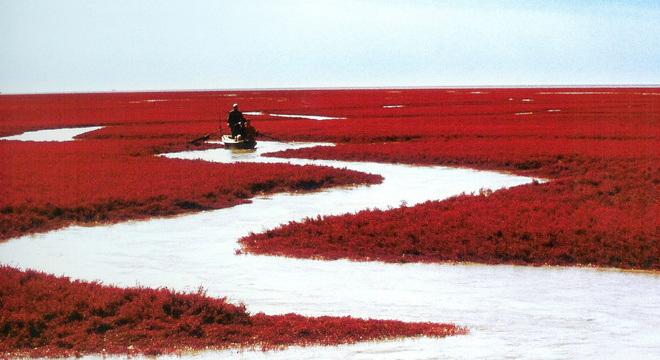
{"x": 245, "y": 141}
{"x": 238, "y": 143}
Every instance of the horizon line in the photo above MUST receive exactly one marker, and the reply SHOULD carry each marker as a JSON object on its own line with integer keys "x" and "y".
{"x": 331, "y": 88}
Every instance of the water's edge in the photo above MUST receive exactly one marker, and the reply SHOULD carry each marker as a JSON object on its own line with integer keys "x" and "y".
{"x": 511, "y": 311}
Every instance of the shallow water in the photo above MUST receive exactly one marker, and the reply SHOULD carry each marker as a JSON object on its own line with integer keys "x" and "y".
{"x": 512, "y": 312}
{"x": 311, "y": 117}
{"x": 66, "y": 134}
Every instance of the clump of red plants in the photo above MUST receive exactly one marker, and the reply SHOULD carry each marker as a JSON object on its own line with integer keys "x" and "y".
{"x": 597, "y": 147}
{"x": 112, "y": 175}
{"x": 43, "y": 315}
{"x": 50, "y": 185}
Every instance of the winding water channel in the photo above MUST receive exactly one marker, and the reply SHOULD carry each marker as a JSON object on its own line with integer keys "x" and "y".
{"x": 512, "y": 311}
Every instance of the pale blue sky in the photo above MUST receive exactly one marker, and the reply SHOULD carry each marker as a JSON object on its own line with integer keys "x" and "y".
{"x": 88, "y": 45}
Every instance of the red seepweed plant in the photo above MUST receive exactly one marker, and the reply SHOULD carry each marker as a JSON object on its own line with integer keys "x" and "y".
{"x": 599, "y": 145}
{"x": 46, "y": 316}
{"x": 599, "y": 148}
{"x": 112, "y": 175}
{"x": 50, "y": 185}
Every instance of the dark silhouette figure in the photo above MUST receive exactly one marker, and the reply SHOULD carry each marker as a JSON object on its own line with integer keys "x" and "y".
{"x": 236, "y": 122}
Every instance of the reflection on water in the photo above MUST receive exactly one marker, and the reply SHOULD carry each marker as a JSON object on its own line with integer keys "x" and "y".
{"x": 512, "y": 312}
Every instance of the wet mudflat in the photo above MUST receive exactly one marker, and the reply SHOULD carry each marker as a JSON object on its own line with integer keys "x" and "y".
{"x": 517, "y": 312}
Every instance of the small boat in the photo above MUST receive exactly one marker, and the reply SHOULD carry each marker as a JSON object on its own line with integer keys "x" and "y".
{"x": 238, "y": 142}
{"x": 246, "y": 140}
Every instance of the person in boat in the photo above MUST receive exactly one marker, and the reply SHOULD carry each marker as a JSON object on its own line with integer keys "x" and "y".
{"x": 249, "y": 133}
{"x": 236, "y": 122}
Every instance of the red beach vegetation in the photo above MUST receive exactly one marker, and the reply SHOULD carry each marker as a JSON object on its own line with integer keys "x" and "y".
{"x": 598, "y": 147}
{"x": 46, "y": 316}
{"x": 49, "y": 185}
{"x": 111, "y": 175}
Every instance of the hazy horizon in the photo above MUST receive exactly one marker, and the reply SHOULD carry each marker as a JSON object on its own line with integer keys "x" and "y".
{"x": 449, "y": 87}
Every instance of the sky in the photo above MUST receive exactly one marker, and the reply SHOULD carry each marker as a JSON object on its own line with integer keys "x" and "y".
{"x": 131, "y": 45}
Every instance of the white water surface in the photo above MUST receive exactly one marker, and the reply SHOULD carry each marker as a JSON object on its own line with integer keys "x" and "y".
{"x": 512, "y": 312}
{"x": 311, "y": 117}
{"x": 66, "y": 134}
